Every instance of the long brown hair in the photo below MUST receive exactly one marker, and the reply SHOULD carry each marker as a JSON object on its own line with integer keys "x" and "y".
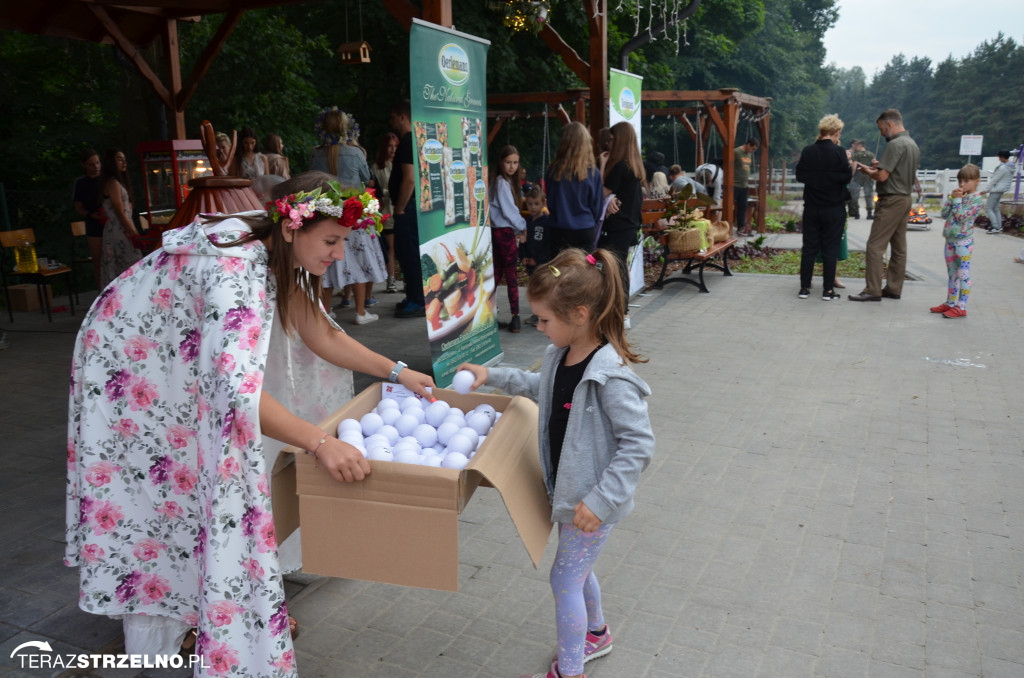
{"x": 499, "y": 171}
{"x": 625, "y": 148}
{"x": 575, "y": 155}
{"x": 289, "y": 279}
{"x": 570, "y": 280}
{"x": 382, "y": 151}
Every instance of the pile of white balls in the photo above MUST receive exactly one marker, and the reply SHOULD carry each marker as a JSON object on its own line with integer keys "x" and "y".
{"x": 409, "y": 431}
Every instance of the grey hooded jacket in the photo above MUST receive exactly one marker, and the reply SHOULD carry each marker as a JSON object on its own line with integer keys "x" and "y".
{"x": 608, "y": 439}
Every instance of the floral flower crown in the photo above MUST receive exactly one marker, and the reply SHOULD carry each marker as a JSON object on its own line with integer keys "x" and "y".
{"x": 353, "y": 207}
{"x": 328, "y": 138}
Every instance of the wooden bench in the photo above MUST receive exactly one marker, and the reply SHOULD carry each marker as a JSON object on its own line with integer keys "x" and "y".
{"x": 653, "y": 210}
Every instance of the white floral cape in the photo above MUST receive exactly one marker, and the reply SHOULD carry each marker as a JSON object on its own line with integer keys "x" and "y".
{"x": 168, "y": 497}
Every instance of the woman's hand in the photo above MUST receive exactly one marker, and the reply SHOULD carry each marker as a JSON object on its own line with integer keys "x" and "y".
{"x": 479, "y": 371}
{"x": 344, "y": 462}
{"x": 585, "y": 520}
{"x": 417, "y": 382}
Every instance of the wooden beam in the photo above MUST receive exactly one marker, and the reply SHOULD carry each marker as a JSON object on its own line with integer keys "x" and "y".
{"x": 403, "y": 12}
{"x": 493, "y": 132}
{"x": 438, "y": 12}
{"x": 126, "y": 46}
{"x": 172, "y": 59}
{"x": 764, "y": 126}
{"x": 598, "y": 10}
{"x": 560, "y": 47}
{"x": 730, "y": 117}
{"x": 688, "y": 125}
{"x": 210, "y": 52}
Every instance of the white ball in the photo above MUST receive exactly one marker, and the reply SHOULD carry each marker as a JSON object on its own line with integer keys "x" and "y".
{"x": 479, "y": 422}
{"x": 455, "y": 418}
{"x": 405, "y": 424}
{"x": 455, "y": 460}
{"x": 471, "y": 435}
{"x": 371, "y": 423}
{"x": 445, "y": 431}
{"x": 350, "y": 425}
{"x": 411, "y": 401}
{"x": 462, "y": 382}
{"x": 390, "y": 415}
{"x": 427, "y": 451}
{"x": 389, "y": 432}
{"x": 418, "y": 413}
{"x": 376, "y": 440}
{"x": 488, "y": 410}
{"x": 460, "y": 444}
{"x": 351, "y": 438}
{"x": 387, "y": 404}
{"x": 425, "y": 434}
{"x": 458, "y": 411}
{"x": 436, "y": 412}
{"x": 407, "y": 456}
{"x": 432, "y": 460}
{"x": 497, "y": 416}
{"x": 411, "y": 440}
{"x": 380, "y": 454}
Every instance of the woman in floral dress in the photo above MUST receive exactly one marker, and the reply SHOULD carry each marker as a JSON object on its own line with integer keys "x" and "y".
{"x": 169, "y": 516}
{"x": 118, "y": 251}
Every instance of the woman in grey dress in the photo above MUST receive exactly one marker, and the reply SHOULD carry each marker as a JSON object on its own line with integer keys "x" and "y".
{"x": 118, "y": 251}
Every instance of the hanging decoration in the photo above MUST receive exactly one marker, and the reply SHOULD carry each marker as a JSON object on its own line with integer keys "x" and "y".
{"x": 526, "y": 15}
{"x": 665, "y": 12}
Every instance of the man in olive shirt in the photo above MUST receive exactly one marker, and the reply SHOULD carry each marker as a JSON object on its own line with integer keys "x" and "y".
{"x": 742, "y": 162}
{"x": 894, "y": 177}
{"x": 861, "y": 183}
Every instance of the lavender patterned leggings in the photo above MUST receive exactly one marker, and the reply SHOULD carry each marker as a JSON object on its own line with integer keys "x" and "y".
{"x": 577, "y": 594}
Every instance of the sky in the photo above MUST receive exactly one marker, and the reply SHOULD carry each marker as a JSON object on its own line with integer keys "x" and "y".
{"x": 869, "y": 33}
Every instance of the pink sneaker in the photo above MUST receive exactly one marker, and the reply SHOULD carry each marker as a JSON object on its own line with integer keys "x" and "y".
{"x": 550, "y": 673}
{"x": 597, "y": 646}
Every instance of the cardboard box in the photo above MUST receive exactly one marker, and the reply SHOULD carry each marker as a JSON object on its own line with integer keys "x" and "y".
{"x": 26, "y": 297}
{"x": 401, "y": 524}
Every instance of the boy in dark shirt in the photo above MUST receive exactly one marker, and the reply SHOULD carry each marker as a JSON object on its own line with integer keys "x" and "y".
{"x": 535, "y": 250}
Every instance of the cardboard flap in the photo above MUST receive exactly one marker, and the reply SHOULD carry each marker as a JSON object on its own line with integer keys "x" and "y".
{"x": 388, "y": 482}
{"x": 518, "y": 478}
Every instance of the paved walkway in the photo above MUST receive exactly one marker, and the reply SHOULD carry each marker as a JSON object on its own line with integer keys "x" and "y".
{"x": 838, "y": 490}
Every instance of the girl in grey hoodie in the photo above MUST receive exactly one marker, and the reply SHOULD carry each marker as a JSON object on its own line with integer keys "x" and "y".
{"x": 595, "y": 434}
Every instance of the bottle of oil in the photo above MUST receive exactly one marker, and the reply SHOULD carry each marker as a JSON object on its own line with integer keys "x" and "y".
{"x": 25, "y": 257}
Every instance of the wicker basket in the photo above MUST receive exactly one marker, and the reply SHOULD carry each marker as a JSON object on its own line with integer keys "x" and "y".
{"x": 720, "y": 230}
{"x": 684, "y": 241}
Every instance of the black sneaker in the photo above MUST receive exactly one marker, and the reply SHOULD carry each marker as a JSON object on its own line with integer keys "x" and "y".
{"x": 830, "y": 296}
{"x": 514, "y": 325}
{"x": 411, "y": 310}
{"x": 531, "y": 321}
{"x": 804, "y": 293}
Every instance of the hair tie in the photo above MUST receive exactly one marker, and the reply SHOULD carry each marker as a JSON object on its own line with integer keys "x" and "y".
{"x": 592, "y": 260}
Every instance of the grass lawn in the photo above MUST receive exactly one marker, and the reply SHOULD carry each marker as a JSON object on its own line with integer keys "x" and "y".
{"x": 787, "y": 262}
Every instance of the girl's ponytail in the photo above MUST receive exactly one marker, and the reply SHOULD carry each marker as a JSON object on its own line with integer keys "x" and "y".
{"x": 610, "y": 319}
{"x": 575, "y": 278}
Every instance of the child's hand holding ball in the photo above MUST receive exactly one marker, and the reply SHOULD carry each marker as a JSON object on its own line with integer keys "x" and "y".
{"x": 470, "y": 377}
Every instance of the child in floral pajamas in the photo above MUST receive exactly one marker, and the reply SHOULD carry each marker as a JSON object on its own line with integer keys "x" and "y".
{"x": 961, "y": 208}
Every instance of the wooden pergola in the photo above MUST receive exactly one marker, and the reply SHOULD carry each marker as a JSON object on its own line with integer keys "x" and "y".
{"x": 698, "y": 110}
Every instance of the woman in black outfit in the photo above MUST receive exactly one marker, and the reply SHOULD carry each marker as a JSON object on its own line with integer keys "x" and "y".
{"x": 623, "y": 173}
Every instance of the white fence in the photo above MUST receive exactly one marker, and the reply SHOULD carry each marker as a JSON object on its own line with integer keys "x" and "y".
{"x": 934, "y": 183}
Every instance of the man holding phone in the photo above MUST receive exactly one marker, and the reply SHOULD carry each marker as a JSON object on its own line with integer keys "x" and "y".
{"x": 894, "y": 177}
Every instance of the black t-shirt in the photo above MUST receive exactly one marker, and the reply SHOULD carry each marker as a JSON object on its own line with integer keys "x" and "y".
{"x": 87, "y": 192}
{"x": 567, "y": 378}
{"x": 626, "y": 187}
{"x": 403, "y": 156}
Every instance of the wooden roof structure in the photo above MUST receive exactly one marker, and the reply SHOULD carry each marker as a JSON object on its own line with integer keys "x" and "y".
{"x": 133, "y": 25}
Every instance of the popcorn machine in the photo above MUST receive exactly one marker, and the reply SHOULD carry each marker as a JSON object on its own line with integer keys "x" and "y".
{"x": 167, "y": 168}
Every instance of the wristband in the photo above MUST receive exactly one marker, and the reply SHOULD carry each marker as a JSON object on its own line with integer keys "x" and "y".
{"x": 321, "y": 442}
{"x": 399, "y": 366}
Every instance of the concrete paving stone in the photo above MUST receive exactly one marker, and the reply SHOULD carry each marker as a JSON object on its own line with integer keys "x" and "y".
{"x": 402, "y": 615}
{"x": 78, "y": 628}
{"x": 959, "y": 656}
{"x": 782, "y": 662}
{"x": 797, "y": 635}
{"x": 998, "y": 597}
{"x": 992, "y": 667}
{"x": 733, "y": 661}
{"x": 624, "y": 661}
{"x": 643, "y": 631}
{"x": 856, "y": 599}
{"x": 1002, "y": 643}
{"x": 837, "y": 662}
{"x": 849, "y": 632}
{"x": 942, "y": 519}
{"x": 897, "y": 652}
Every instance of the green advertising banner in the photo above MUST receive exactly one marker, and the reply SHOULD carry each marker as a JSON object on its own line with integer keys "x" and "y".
{"x": 448, "y": 81}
